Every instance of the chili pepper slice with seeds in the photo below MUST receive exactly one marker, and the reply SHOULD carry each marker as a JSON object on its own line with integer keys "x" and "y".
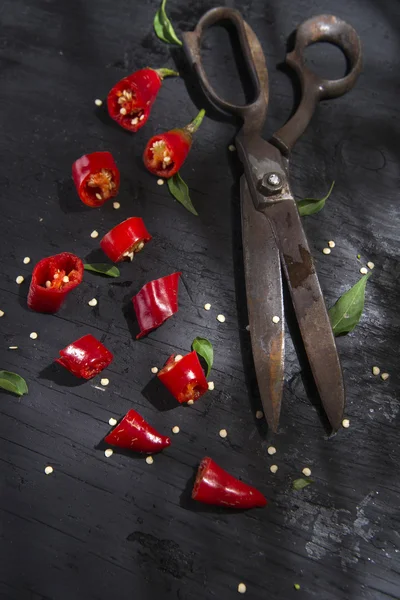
{"x": 184, "y": 377}
{"x": 96, "y": 178}
{"x": 53, "y": 278}
{"x": 129, "y": 102}
{"x": 216, "y": 486}
{"x": 86, "y": 357}
{"x": 125, "y": 240}
{"x": 165, "y": 153}
{"x": 156, "y": 302}
{"x": 134, "y": 433}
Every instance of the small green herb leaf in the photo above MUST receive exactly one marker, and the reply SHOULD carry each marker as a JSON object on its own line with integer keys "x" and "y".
{"x": 13, "y": 383}
{"x": 205, "y": 349}
{"x": 102, "y": 269}
{"x": 163, "y": 27}
{"x": 302, "y": 482}
{"x": 180, "y": 192}
{"x": 347, "y": 311}
{"x": 310, "y": 206}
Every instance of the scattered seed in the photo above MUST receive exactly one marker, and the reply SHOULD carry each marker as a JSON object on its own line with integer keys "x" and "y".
{"x": 242, "y": 588}
{"x": 247, "y": 327}
{"x": 296, "y": 586}
{"x": 109, "y": 452}
{"x": 376, "y": 370}
{"x": 221, "y": 318}
{"x": 306, "y": 472}
{"x": 259, "y": 414}
{"x": 33, "y": 335}
{"x": 331, "y": 244}
{"x": 273, "y": 468}
{"x": 1, "y": 313}
{"x": 48, "y": 470}
{"x": 370, "y": 265}
{"x": 94, "y": 234}
{"x": 175, "y": 429}
{"x": 98, "y": 102}
{"x": 346, "y": 423}
{"x": 112, "y": 421}
{"x": 231, "y": 148}
{"x": 19, "y": 279}
{"x": 363, "y": 270}
{"x": 223, "y": 433}
{"x": 104, "y": 382}
{"x": 116, "y": 205}
{"x": 275, "y": 319}
{"x": 149, "y": 460}
{"x": 271, "y": 450}
{"x": 190, "y": 401}
{"x": 207, "y": 306}
{"x": 26, "y": 260}
{"x": 154, "y": 370}
{"x": 326, "y": 250}
{"x": 92, "y": 302}
{"x": 385, "y": 376}
{"x": 210, "y": 385}
{"x": 13, "y": 347}
{"x": 65, "y": 279}
{"x": 160, "y": 181}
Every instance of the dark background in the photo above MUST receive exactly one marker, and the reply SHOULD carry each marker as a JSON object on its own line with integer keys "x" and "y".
{"x": 118, "y": 528}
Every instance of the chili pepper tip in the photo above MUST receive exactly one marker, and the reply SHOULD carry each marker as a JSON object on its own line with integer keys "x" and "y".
{"x": 166, "y": 73}
{"x": 195, "y": 124}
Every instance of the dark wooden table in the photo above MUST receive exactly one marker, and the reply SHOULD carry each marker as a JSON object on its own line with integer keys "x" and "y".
{"x": 101, "y": 528}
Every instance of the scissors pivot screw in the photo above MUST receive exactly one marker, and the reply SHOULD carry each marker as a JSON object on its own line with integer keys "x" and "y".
{"x": 271, "y": 183}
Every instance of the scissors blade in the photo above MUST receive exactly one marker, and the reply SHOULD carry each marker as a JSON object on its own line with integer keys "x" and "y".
{"x": 264, "y": 301}
{"x": 309, "y": 306}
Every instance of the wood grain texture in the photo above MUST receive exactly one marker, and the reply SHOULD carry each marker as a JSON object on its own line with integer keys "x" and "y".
{"x": 118, "y": 528}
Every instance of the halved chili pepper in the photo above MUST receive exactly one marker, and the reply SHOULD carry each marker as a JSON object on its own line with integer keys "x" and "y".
{"x": 165, "y": 153}
{"x": 52, "y": 280}
{"x": 96, "y": 177}
{"x": 156, "y": 302}
{"x": 130, "y": 100}
{"x": 85, "y": 357}
{"x": 184, "y": 377}
{"x": 215, "y": 486}
{"x": 134, "y": 433}
{"x": 125, "y": 240}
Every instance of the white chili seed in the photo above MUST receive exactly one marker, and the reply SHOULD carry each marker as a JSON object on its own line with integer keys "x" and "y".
{"x": 271, "y": 450}
{"x": 231, "y": 148}
{"x": 370, "y": 265}
{"x": 98, "y": 102}
{"x": 48, "y": 284}
{"x": 175, "y": 429}
{"x": 376, "y": 370}
{"x": 56, "y": 276}
{"x": 178, "y": 357}
{"x": 223, "y": 433}
{"x": 99, "y": 196}
{"x": 104, "y": 382}
{"x": 48, "y": 470}
{"x": 149, "y": 460}
{"x": 385, "y": 376}
{"x": 92, "y": 302}
{"x": 122, "y": 111}
{"x": 259, "y": 414}
{"x": 207, "y": 306}
{"x": 19, "y": 279}
{"x": 221, "y": 318}
{"x": 331, "y": 244}
{"x": 326, "y": 250}
{"x": 247, "y": 327}
{"x": 65, "y": 279}
{"x": 242, "y": 588}
{"x": 33, "y": 335}
{"x": 154, "y": 370}
{"x": 134, "y": 121}
{"x": 1, "y": 313}
{"x": 94, "y": 234}
{"x": 13, "y": 347}
{"x": 109, "y": 452}
{"x": 141, "y": 117}
{"x": 112, "y": 421}
{"x": 116, "y": 205}
{"x": 363, "y": 270}
{"x": 346, "y": 423}
{"x": 273, "y": 468}
{"x": 190, "y": 401}
{"x": 160, "y": 181}
{"x": 306, "y": 472}
{"x": 26, "y": 260}
{"x": 275, "y": 319}
{"x": 210, "y": 385}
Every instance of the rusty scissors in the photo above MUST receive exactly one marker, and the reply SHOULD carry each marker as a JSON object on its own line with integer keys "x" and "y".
{"x": 273, "y": 236}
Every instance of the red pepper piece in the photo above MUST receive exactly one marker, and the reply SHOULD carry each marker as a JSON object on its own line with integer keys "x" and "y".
{"x": 85, "y": 358}
{"x": 125, "y": 240}
{"x": 134, "y": 433}
{"x": 156, "y": 302}
{"x": 215, "y": 486}
{"x": 184, "y": 378}
{"x": 96, "y": 177}
{"x": 129, "y": 102}
{"x": 52, "y": 280}
{"x": 165, "y": 153}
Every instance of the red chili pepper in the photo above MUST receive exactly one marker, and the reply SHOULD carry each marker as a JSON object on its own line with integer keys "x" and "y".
{"x": 215, "y": 486}
{"x": 165, "y": 153}
{"x": 96, "y": 177}
{"x": 125, "y": 240}
{"x": 129, "y": 102}
{"x": 156, "y": 302}
{"x": 134, "y": 433}
{"x": 52, "y": 280}
{"x": 86, "y": 357}
{"x": 184, "y": 377}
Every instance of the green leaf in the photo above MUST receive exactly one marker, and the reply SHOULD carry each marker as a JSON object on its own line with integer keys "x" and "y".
{"x": 180, "y": 192}
{"x": 102, "y": 269}
{"x": 302, "y": 482}
{"x": 310, "y": 206}
{"x": 13, "y": 383}
{"x": 205, "y": 349}
{"x": 163, "y": 27}
{"x": 347, "y": 311}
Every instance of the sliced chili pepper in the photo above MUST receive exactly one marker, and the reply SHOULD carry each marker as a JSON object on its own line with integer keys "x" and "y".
{"x": 165, "y": 153}
{"x": 125, "y": 240}
{"x": 156, "y": 302}
{"x": 184, "y": 377}
{"x": 85, "y": 357}
{"x": 215, "y": 486}
{"x": 96, "y": 177}
{"x": 129, "y": 102}
{"x": 52, "y": 280}
{"x": 134, "y": 433}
